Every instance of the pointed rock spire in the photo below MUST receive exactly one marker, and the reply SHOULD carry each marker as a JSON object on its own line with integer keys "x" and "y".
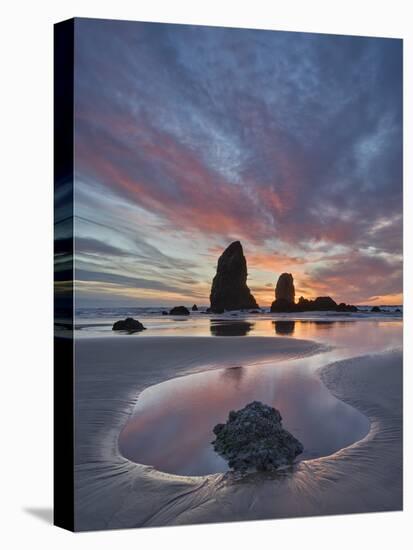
{"x": 229, "y": 287}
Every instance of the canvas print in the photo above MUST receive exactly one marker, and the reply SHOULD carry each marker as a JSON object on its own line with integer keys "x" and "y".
{"x": 229, "y": 271}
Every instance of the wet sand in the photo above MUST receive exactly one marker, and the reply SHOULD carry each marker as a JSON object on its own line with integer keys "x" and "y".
{"x": 112, "y": 492}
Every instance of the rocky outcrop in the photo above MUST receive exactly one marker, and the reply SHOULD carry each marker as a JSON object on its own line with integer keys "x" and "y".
{"x": 346, "y": 307}
{"x": 229, "y": 287}
{"x": 284, "y": 300}
{"x": 253, "y": 439}
{"x": 194, "y": 307}
{"x": 375, "y": 309}
{"x": 128, "y": 325}
{"x": 324, "y": 303}
{"x": 179, "y": 310}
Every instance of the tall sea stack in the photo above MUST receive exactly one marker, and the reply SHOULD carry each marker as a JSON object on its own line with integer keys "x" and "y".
{"x": 229, "y": 287}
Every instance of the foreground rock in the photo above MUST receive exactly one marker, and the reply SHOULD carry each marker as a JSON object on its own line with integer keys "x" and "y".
{"x": 229, "y": 287}
{"x": 129, "y": 324}
{"x": 179, "y": 310}
{"x": 253, "y": 439}
{"x": 284, "y": 300}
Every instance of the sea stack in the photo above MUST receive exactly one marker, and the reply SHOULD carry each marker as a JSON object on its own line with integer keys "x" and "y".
{"x": 285, "y": 300}
{"x": 284, "y": 294}
{"x": 229, "y": 287}
{"x": 285, "y": 288}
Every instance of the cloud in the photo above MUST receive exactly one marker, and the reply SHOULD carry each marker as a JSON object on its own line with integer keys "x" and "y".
{"x": 288, "y": 141}
{"x": 359, "y": 277}
{"x": 123, "y": 280}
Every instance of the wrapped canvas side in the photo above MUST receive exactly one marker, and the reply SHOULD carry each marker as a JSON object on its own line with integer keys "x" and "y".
{"x": 63, "y": 276}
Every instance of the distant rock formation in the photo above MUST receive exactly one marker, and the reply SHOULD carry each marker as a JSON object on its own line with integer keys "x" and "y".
{"x": 253, "y": 439}
{"x": 179, "y": 310}
{"x": 194, "y": 307}
{"x": 322, "y": 303}
{"x": 284, "y": 300}
{"x": 129, "y": 325}
{"x": 346, "y": 307}
{"x": 375, "y": 309}
{"x": 229, "y": 287}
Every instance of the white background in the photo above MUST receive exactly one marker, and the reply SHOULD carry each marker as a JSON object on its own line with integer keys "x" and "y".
{"x": 26, "y": 271}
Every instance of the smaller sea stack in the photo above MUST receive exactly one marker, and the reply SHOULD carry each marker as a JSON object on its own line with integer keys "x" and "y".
{"x": 285, "y": 294}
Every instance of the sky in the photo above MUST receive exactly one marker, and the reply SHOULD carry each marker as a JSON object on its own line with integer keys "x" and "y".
{"x": 188, "y": 138}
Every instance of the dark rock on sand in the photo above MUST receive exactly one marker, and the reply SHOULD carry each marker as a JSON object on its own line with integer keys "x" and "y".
{"x": 164, "y": 312}
{"x": 194, "y": 307}
{"x": 179, "y": 310}
{"x": 129, "y": 325}
{"x": 253, "y": 439}
{"x": 229, "y": 287}
{"x": 375, "y": 309}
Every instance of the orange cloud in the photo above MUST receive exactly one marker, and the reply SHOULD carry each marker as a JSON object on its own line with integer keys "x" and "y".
{"x": 273, "y": 262}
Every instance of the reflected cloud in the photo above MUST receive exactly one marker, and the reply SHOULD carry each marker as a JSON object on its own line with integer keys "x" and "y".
{"x": 233, "y": 375}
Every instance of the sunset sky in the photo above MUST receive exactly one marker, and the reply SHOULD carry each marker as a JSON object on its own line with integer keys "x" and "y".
{"x": 187, "y": 138}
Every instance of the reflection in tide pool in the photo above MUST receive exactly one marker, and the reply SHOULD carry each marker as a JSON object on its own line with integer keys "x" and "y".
{"x": 172, "y": 425}
{"x": 230, "y": 328}
{"x": 284, "y": 327}
{"x": 171, "y": 428}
